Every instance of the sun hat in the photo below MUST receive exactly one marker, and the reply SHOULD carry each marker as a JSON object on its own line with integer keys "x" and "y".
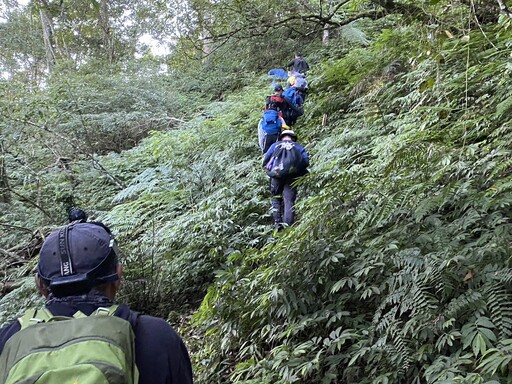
{"x": 288, "y": 132}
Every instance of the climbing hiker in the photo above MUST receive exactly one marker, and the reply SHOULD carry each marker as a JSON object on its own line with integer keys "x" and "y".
{"x": 270, "y": 125}
{"x": 286, "y": 106}
{"x": 301, "y": 85}
{"x": 298, "y": 64}
{"x": 290, "y": 81}
{"x": 276, "y": 101}
{"x": 269, "y": 128}
{"x": 294, "y": 107}
{"x": 272, "y": 121}
{"x": 294, "y": 96}
{"x": 84, "y": 336}
{"x": 277, "y": 75}
{"x": 284, "y": 162}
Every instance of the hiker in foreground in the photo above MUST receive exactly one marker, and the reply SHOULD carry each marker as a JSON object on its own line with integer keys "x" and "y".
{"x": 284, "y": 162}
{"x": 84, "y": 337}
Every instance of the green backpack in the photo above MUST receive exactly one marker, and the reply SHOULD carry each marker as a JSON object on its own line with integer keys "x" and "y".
{"x": 81, "y": 349}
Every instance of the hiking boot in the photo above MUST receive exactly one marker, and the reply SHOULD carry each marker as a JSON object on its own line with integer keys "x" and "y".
{"x": 278, "y": 226}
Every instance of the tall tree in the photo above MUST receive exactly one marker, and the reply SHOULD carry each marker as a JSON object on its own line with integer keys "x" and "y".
{"x": 48, "y": 30}
{"x": 108, "y": 40}
{"x": 5, "y": 196}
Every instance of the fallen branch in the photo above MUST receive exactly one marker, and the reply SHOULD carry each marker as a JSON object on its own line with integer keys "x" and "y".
{"x": 504, "y": 9}
{"x": 9, "y": 286}
{"x": 15, "y": 227}
{"x": 10, "y": 255}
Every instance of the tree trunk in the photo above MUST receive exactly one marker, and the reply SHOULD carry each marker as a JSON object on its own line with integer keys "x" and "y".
{"x": 205, "y": 37}
{"x": 326, "y": 32}
{"x": 207, "y": 44}
{"x": 48, "y": 31}
{"x": 108, "y": 39}
{"x": 325, "y": 35}
{"x": 5, "y": 195}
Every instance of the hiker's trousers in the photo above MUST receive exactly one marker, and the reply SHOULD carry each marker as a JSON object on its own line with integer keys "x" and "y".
{"x": 283, "y": 200}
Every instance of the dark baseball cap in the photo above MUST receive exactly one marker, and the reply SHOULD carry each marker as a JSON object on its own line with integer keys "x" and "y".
{"x": 278, "y": 87}
{"x": 77, "y": 257}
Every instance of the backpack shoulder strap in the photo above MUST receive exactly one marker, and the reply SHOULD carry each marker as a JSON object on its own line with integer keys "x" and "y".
{"x": 134, "y": 319}
{"x": 43, "y": 315}
{"x": 34, "y": 316}
{"x": 105, "y": 311}
{"x": 100, "y": 311}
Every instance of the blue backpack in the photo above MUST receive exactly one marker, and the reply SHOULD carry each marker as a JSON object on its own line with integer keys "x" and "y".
{"x": 292, "y": 94}
{"x": 271, "y": 123}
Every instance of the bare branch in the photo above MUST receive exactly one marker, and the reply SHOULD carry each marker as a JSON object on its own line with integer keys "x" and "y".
{"x": 16, "y": 227}
{"x": 9, "y": 286}
{"x": 256, "y": 30}
{"x": 504, "y": 9}
{"x": 10, "y": 254}
{"x": 29, "y": 201}
{"x": 89, "y": 156}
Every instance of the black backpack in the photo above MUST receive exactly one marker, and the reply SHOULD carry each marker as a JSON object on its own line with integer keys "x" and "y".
{"x": 274, "y": 102}
{"x": 286, "y": 161}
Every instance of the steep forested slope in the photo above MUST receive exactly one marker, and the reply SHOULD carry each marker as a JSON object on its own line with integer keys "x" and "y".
{"x": 397, "y": 270}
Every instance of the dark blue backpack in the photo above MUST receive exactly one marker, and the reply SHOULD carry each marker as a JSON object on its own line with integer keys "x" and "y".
{"x": 286, "y": 161}
{"x": 294, "y": 96}
{"x": 271, "y": 123}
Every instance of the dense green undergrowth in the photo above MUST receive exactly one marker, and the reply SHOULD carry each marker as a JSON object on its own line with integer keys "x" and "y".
{"x": 398, "y": 269}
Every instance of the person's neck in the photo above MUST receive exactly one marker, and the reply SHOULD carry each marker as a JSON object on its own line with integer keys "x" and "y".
{"x": 92, "y": 297}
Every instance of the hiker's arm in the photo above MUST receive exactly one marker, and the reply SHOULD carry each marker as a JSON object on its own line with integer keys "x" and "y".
{"x": 182, "y": 367}
{"x": 161, "y": 356}
{"x": 268, "y": 155}
{"x": 292, "y": 106}
{"x": 283, "y": 122}
{"x": 7, "y": 331}
{"x": 305, "y": 157}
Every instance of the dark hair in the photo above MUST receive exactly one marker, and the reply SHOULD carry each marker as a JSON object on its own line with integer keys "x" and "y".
{"x": 77, "y": 214}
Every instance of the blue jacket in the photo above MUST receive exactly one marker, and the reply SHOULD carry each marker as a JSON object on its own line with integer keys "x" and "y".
{"x": 272, "y": 149}
{"x": 160, "y": 354}
{"x": 278, "y": 73}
